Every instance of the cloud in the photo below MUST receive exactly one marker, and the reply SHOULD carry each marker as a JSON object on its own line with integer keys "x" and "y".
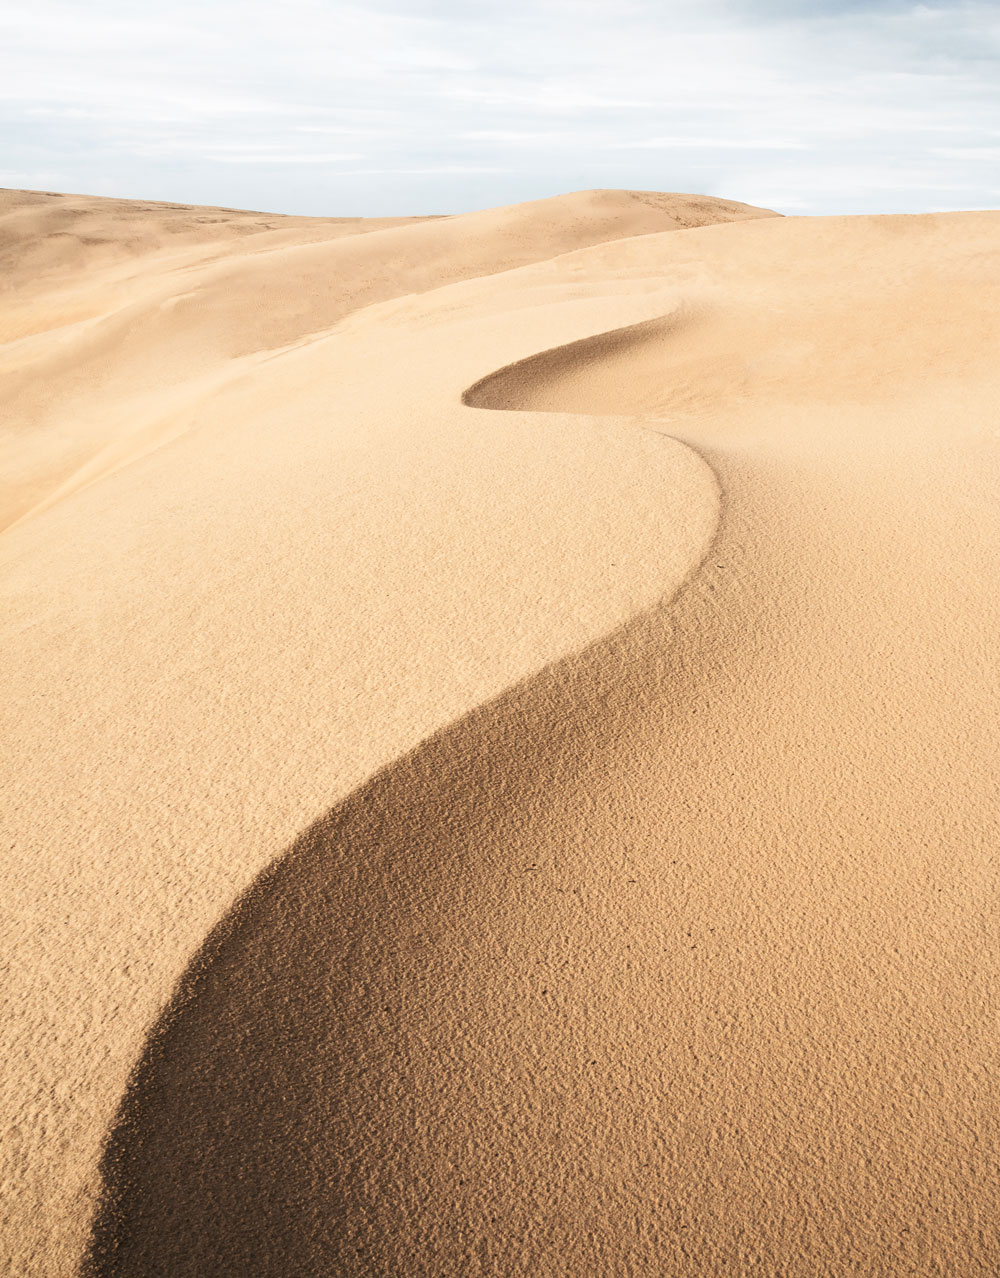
{"x": 817, "y": 105}
{"x": 708, "y": 143}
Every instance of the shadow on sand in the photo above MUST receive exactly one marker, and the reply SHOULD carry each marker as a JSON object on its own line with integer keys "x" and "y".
{"x": 358, "y": 1071}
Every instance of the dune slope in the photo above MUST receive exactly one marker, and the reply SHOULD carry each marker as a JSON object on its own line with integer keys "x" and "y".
{"x": 321, "y": 564}
{"x": 650, "y": 924}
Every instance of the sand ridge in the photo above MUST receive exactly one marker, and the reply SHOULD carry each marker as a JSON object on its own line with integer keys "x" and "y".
{"x": 674, "y": 956}
{"x": 427, "y": 603}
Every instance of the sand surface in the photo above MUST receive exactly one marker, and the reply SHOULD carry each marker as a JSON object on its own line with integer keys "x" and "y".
{"x": 503, "y": 741}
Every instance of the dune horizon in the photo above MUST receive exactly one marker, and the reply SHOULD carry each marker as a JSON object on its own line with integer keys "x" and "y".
{"x": 502, "y": 720}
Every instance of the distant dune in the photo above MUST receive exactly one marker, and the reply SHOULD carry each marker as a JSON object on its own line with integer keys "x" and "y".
{"x": 503, "y": 721}
{"x": 120, "y": 315}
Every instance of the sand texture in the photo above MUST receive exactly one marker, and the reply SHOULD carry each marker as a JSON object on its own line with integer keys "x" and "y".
{"x": 502, "y": 718}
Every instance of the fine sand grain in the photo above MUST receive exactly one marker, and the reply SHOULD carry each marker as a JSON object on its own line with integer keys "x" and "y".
{"x": 504, "y": 724}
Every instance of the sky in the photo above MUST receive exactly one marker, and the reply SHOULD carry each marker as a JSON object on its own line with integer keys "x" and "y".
{"x": 441, "y": 106}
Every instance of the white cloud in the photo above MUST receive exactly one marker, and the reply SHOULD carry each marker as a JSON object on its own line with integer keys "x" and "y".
{"x": 30, "y": 179}
{"x": 278, "y": 157}
{"x": 711, "y": 143}
{"x": 437, "y": 169}
{"x": 823, "y": 106}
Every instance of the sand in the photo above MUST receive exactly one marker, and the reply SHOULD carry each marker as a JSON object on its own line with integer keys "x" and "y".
{"x": 503, "y": 719}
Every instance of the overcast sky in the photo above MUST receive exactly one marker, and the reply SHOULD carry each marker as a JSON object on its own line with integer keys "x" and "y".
{"x": 316, "y": 106}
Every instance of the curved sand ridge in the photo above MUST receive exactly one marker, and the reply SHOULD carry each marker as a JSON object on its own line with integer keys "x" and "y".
{"x": 678, "y": 956}
{"x": 330, "y": 560}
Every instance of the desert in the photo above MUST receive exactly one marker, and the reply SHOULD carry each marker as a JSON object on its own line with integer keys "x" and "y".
{"x": 501, "y": 717}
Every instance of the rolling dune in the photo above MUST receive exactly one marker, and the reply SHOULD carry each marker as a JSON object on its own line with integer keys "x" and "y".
{"x": 618, "y": 624}
{"x": 152, "y": 307}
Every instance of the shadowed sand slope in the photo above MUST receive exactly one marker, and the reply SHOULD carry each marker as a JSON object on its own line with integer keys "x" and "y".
{"x": 651, "y": 926}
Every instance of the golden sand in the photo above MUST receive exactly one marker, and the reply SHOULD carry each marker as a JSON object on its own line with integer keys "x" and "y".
{"x": 504, "y": 724}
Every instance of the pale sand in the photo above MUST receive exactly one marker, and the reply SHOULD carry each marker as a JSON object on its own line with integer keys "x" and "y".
{"x": 651, "y": 924}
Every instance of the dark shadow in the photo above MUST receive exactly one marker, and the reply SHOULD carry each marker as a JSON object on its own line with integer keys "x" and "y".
{"x": 396, "y": 1054}
{"x": 555, "y": 380}
{"x": 357, "y": 1073}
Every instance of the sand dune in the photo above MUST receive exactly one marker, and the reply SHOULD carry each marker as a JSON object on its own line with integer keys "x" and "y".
{"x": 148, "y": 307}
{"x": 615, "y": 614}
